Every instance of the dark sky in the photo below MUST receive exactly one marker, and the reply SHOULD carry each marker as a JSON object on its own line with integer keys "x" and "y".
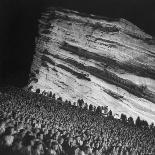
{"x": 18, "y": 28}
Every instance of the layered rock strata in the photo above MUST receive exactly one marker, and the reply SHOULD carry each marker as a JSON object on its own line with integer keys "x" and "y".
{"x": 103, "y": 61}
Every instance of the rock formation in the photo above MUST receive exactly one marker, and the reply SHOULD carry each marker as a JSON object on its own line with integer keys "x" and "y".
{"x": 103, "y": 61}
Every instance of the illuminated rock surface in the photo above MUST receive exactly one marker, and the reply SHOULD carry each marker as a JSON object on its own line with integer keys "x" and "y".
{"x": 104, "y": 61}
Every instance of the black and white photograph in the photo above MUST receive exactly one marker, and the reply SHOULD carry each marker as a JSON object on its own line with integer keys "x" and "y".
{"x": 77, "y": 77}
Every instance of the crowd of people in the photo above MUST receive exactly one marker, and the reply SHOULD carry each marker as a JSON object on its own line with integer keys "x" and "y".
{"x": 33, "y": 124}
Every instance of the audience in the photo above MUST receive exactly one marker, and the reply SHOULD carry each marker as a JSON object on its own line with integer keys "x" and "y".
{"x": 34, "y": 124}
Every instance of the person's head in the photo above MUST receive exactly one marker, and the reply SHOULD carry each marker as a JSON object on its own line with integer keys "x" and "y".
{"x": 55, "y": 136}
{"x": 37, "y": 130}
{"x": 87, "y": 150}
{"x": 22, "y": 133}
{"x": 28, "y": 140}
{"x": 78, "y": 138}
{"x": 92, "y": 145}
{"x": 20, "y": 126}
{"x": 88, "y": 143}
{"x": 70, "y": 139}
{"x": 40, "y": 136}
{"x": 38, "y": 146}
{"x": 97, "y": 145}
{"x": 73, "y": 143}
{"x": 60, "y": 140}
{"x": 9, "y": 131}
{"x": 17, "y": 145}
{"x": 54, "y": 145}
{"x": 46, "y": 132}
{"x": 2, "y": 124}
{"x": 58, "y": 133}
{"x": 8, "y": 140}
{"x": 51, "y": 132}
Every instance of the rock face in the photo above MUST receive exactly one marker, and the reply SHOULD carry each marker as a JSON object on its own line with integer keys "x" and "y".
{"x": 103, "y": 61}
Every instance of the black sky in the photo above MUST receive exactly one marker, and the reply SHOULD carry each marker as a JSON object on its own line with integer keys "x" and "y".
{"x": 18, "y": 28}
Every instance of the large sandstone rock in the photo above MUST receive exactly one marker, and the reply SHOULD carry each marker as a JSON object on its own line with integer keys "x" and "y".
{"x": 104, "y": 61}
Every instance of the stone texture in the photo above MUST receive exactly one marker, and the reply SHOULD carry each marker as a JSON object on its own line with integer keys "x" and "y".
{"x": 104, "y": 61}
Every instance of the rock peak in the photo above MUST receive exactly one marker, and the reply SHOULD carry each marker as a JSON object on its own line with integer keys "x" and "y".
{"x": 101, "y": 60}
